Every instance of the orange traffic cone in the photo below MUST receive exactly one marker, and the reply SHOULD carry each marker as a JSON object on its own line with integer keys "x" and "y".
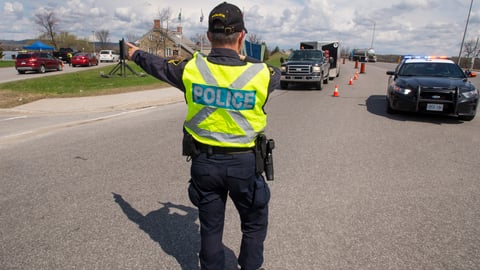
{"x": 335, "y": 92}
{"x": 350, "y": 82}
{"x": 355, "y": 77}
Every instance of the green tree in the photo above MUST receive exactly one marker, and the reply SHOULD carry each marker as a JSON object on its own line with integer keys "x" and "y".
{"x": 266, "y": 53}
{"x": 66, "y": 40}
{"x": 1, "y": 51}
{"x": 276, "y": 50}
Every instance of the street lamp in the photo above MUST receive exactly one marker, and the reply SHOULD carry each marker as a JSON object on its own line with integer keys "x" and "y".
{"x": 93, "y": 33}
{"x": 373, "y": 35}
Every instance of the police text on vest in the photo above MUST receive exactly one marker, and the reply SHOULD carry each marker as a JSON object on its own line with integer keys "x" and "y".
{"x": 225, "y": 98}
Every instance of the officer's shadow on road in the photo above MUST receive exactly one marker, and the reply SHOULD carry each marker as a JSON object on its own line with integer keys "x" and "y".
{"x": 177, "y": 234}
{"x": 377, "y": 104}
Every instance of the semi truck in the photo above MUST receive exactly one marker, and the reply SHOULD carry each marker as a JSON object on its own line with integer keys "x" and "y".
{"x": 331, "y": 49}
{"x": 364, "y": 55}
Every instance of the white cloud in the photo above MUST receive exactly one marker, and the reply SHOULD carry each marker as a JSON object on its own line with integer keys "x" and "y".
{"x": 15, "y": 9}
{"x": 95, "y": 11}
{"x": 124, "y": 14}
{"x": 403, "y": 26}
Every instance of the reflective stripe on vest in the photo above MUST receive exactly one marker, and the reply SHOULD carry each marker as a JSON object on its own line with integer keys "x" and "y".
{"x": 236, "y": 101}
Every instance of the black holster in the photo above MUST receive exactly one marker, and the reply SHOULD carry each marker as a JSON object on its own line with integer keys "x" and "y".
{"x": 263, "y": 156}
{"x": 189, "y": 148}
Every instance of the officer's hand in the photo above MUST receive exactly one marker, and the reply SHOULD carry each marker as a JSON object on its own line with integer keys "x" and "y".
{"x": 117, "y": 197}
{"x": 131, "y": 49}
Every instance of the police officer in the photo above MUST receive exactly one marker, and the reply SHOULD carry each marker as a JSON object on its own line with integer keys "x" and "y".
{"x": 225, "y": 93}
{"x": 69, "y": 58}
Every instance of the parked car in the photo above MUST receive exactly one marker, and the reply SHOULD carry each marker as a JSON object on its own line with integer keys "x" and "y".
{"x": 431, "y": 85}
{"x": 84, "y": 59}
{"x": 38, "y": 62}
{"x": 64, "y": 54}
{"x": 108, "y": 56}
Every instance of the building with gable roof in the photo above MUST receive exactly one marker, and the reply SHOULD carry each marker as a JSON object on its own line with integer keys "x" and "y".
{"x": 168, "y": 43}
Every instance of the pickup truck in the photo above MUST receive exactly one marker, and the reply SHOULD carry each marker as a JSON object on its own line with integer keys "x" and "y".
{"x": 62, "y": 54}
{"x": 305, "y": 66}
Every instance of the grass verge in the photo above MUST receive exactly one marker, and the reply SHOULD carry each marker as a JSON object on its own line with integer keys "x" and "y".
{"x": 81, "y": 83}
{"x": 76, "y": 84}
{"x": 274, "y": 59}
{"x": 7, "y": 63}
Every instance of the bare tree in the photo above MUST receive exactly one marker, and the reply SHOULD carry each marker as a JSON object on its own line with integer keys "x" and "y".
{"x": 198, "y": 39}
{"x": 253, "y": 38}
{"x": 103, "y": 38}
{"x": 48, "y": 22}
{"x": 131, "y": 37}
{"x": 164, "y": 15}
{"x": 470, "y": 48}
{"x": 161, "y": 35}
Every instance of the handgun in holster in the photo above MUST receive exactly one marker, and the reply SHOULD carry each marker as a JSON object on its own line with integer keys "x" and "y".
{"x": 189, "y": 148}
{"x": 263, "y": 156}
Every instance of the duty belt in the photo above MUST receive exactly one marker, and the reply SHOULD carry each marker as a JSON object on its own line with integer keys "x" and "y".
{"x": 209, "y": 149}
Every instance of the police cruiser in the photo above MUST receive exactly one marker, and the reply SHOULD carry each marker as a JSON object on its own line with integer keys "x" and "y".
{"x": 434, "y": 85}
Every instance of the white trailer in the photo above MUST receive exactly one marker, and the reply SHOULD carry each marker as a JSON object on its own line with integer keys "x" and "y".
{"x": 332, "y": 47}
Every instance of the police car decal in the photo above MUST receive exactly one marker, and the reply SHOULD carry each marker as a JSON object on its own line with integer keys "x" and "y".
{"x": 225, "y": 98}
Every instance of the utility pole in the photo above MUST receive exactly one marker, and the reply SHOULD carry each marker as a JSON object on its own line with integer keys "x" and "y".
{"x": 373, "y": 35}
{"x": 464, "y": 33}
{"x": 93, "y": 41}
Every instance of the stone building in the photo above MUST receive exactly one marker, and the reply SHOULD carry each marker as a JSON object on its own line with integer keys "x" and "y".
{"x": 168, "y": 43}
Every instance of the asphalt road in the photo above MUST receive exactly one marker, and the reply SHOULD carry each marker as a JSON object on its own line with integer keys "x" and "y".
{"x": 11, "y": 74}
{"x": 355, "y": 188}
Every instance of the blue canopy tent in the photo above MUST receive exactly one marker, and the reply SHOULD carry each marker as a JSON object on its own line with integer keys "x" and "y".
{"x": 39, "y": 46}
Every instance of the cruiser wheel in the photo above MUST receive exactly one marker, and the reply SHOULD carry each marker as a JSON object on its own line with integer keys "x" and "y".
{"x": 390, "y": 110}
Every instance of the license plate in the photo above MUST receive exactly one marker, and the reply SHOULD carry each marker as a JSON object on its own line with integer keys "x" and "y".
{"x": 23, "y": 63}
{"x": 434, "y": 107}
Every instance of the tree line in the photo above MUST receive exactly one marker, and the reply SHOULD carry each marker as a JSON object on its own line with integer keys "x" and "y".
{"x": 49, "y": 24}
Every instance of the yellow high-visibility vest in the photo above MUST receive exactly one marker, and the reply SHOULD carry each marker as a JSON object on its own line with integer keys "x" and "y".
{"x": 225, "y": 103}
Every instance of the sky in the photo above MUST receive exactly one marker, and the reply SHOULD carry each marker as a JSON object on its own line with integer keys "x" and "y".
{"x": 420, "y": 27}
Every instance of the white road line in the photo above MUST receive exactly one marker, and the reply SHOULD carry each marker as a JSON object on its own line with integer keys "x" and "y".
{"x": 122, "y": 113}
{"x": 13, "y": 118}
{"x": 43, "y": 130}
{"x": 18, "y": 134}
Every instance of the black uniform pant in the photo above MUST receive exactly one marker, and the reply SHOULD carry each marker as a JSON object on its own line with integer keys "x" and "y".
{"x": 214, "y": 176}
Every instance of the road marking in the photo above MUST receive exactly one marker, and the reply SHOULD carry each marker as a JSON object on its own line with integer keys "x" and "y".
{"x": 13, "y": 118}
{"x": 119, "y": 114}
{"x": 48, "y": 129}
{"x": 18, "y": 134}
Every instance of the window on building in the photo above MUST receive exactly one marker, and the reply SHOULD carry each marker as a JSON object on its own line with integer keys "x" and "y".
{"x": 168, "y": 52}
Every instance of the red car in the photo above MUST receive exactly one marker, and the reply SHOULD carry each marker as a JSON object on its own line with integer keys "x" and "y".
{"x": 38, "y": 62}
{"x": 84, "y": 59}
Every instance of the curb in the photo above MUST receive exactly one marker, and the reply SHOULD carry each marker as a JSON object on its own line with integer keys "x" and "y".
{"x": 123, "y": 101}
